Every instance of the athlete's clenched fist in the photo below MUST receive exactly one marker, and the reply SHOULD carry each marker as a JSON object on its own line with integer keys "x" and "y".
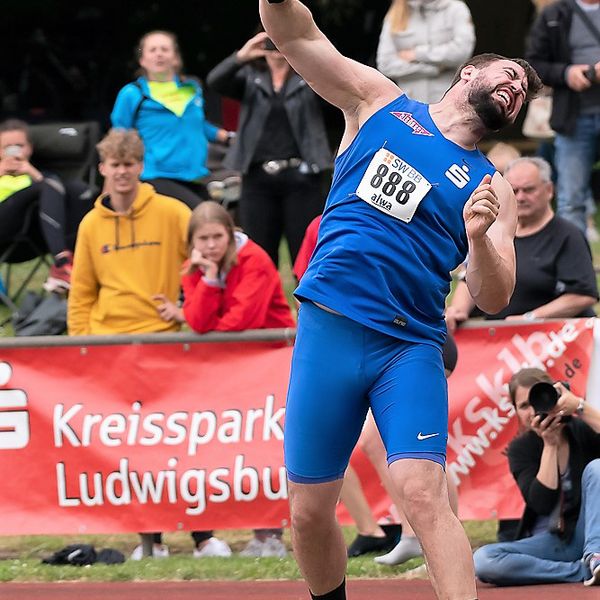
{"x": 481, "y": 209}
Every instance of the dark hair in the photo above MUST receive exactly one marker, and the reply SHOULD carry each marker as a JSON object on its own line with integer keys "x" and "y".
{"x": 526, "y": 378}
{"x": 534, "y": 83}
{"x": 15, "y": 125}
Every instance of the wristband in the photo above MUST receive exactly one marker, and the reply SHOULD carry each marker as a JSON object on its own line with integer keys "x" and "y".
{"x": 580, "y": 407}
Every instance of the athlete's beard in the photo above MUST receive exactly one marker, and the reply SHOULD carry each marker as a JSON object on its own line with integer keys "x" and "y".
{"x": 487, "y": 109}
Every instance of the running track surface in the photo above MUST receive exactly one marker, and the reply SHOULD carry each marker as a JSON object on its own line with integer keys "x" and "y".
{"x": 380, "y": 589}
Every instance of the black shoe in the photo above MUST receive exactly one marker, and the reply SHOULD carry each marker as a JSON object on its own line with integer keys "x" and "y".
{"x": 393, "y": 532}
{"x": 363, "y": 544}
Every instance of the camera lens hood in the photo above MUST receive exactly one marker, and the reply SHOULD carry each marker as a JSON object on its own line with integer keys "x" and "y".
{"x": 543, "y": 397}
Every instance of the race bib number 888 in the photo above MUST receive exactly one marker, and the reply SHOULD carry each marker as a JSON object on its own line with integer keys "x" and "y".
{"x": 393, "y": 186}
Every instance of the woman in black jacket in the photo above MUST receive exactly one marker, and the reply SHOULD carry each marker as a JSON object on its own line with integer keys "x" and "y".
{"x": 556, "y": 464}
{"x": 281, "y": 148}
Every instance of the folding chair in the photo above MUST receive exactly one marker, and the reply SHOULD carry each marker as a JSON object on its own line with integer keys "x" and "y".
{"x": 66, "y": 149}
{"x": 27, "y": 245}
{"x": 69, "y": 151}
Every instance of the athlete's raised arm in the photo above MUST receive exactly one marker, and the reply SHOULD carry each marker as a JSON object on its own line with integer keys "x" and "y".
{"x": 347, "y": 84}
{"x": 491, "y": 220}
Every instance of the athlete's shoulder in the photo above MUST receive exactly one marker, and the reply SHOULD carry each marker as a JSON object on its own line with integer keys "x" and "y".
{"x": 383, "y": 93}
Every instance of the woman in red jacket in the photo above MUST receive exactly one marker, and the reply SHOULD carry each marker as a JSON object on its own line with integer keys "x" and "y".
{"x": 229, "y": 283}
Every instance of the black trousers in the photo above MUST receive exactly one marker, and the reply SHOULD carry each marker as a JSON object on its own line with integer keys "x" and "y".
{"x": 197, "y": 536}
{"x": 58, "y": 211}
{"x": 276, "y": 205}
{"x": 190, "y": 193}
{"x": 49, "y": 199}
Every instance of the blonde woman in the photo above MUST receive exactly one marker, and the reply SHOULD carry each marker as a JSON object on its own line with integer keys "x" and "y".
{"x": 229, "y": 283}
{"x": 422, "y": 43}
{"x": 167, "y": 108}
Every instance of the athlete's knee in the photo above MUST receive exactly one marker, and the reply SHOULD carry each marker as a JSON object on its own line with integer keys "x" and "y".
{"x": 422, "y": 497}
{"x": 420, "y": 505}
{"x": 310, "y": 508}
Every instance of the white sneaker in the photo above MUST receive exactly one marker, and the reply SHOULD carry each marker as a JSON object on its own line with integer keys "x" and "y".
{"x": 408, "y": 547}
{"x": 273, "y": 546}
{"x": 158, "y": 551}
{"x": 254, "y": 548}
{"x": 213, "y": 547}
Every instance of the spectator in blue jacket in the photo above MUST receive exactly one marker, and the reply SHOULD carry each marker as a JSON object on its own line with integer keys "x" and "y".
{"x": 167, "y": 109}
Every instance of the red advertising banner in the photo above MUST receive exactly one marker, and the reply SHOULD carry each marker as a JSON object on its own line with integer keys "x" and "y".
{"x": 142, "y": 437}
{"x": 482, "y": 421}
{"x": 164, "y": 437}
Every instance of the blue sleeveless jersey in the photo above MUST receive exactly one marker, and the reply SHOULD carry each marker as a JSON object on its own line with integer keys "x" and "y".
{"x": 393, "y": 228}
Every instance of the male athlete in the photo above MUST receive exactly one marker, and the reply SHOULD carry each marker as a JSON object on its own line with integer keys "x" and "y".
{"x": 411, "y": 194}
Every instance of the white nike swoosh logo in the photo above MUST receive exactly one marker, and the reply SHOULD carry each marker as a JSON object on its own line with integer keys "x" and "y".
{"x": 422, "y": 437}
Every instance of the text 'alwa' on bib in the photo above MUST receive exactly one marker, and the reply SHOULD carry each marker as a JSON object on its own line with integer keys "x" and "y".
{"x": 393, "y": 186}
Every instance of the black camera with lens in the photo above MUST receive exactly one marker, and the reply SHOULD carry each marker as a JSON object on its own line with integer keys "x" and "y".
{"x": 543, "y": 396}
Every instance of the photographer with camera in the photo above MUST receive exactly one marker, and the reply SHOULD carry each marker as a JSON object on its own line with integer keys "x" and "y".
{"x": 555, "y": 461}
{"x": 281, "y": 147}
{"x": 564, "y": 48}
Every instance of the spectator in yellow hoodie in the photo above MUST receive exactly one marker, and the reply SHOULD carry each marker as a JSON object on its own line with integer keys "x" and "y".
{"x": 129, "y": 251}
{"x": 126, "y": 270}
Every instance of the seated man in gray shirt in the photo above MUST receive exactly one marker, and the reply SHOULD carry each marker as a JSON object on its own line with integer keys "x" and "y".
{"x": 555, "y": 273}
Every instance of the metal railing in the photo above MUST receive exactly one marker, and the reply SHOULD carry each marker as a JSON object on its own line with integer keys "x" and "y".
{"x": 251, "y": 335}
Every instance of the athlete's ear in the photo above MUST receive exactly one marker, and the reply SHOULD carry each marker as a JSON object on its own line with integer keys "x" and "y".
{"x": 468, "y": 72}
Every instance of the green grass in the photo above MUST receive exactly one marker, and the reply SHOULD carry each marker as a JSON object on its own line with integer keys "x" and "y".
{"x": 20, "y": 556}
{"x": 288, "y": 279}
{"x": 21, "y": 559}
{"x": 18, "y": 274}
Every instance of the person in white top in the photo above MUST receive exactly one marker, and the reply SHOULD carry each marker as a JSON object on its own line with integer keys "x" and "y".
{"x": 422, "y": 43}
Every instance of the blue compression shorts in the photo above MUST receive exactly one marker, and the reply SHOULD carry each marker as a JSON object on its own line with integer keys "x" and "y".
{"x": 340, "y": 368}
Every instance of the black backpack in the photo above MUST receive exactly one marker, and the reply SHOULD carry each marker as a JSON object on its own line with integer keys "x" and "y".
{"x": 75, "y": 554}
{"x": 84, "y": 554}
{"x": 41, "y": 315}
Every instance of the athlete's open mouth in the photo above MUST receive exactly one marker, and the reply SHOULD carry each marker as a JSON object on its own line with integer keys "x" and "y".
{"x": 507, "y": 99}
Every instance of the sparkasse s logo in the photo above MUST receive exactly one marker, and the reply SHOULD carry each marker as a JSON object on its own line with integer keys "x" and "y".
{"x": 14, "y": 421}
{"x": 458, "y": 175}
